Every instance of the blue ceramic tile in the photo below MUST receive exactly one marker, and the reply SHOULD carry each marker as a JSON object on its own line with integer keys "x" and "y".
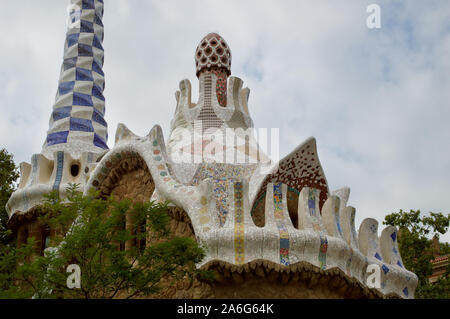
{"x": 88, "y": 4}
{"x": 97, "y": 92}
{"x": 77, "y": 124}
{"x": 84, "y": 75}
{"x": 57, "y": 138}
{"x": 66, "y": 87}
{"x": 82, "y": 99}
{"x": 385, "y": 269}
{"x": 97, "y": 117}
{"x": 86, "y": 26}
{"x": 61, "y": 112}
{"x": 84, "y": 50}
{"x": 72, "y": 39}
{"x": 98, "y": 141}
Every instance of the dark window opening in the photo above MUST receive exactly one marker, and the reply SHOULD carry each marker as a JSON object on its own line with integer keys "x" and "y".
{"x": 74, "y": 170}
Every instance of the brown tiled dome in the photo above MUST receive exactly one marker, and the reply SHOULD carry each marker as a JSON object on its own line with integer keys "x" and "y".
{"x": 213, "y": 51}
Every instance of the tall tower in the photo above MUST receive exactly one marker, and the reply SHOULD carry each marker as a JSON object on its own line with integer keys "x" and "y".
{"x": 77, "y": 133}
{"x": 77, "y": 122}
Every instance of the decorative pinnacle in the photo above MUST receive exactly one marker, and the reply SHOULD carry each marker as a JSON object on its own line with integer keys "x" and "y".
{"x": 213, "y": 52}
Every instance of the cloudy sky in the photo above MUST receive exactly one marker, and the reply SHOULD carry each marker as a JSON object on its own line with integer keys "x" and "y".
{"x": 377, "y": 100}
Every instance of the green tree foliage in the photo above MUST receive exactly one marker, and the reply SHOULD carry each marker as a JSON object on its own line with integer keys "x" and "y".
{"x": 416, "y": 248}
{"x": 8, "y": 175}
{"x": 95, "y": 239}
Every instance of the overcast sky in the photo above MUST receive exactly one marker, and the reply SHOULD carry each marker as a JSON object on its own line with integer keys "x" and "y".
{"x": 376, "y": 100}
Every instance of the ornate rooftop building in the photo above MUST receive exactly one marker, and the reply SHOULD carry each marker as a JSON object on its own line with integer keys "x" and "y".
{"x": 272, "y": 229}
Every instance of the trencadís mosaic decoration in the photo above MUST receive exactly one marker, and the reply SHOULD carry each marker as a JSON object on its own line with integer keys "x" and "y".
{"x": 243, "y": 211}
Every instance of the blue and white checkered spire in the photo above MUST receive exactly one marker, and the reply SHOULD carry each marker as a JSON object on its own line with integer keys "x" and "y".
{"x": 77, "y": 122}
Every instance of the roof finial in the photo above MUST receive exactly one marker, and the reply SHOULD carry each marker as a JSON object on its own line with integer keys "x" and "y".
{"x": 213, "y": 52}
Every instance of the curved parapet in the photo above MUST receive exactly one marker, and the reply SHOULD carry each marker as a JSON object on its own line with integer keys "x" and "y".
{"x": 44, "y": 175}
{"x": 368, "y": 239}
{"x": 325, "y": 239}
{"x": 237, "y": 102}
{"x": 343, "y": 194}
{"x": 235, "y": 114}
{"x": 330, "y": 216}
{"x": 394, "y": 277}
{"x": 278, "y": 226}
{"x": 347, "y": 217}
{"x": 323, "y": 249}
{"x": 389, "y": 246}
